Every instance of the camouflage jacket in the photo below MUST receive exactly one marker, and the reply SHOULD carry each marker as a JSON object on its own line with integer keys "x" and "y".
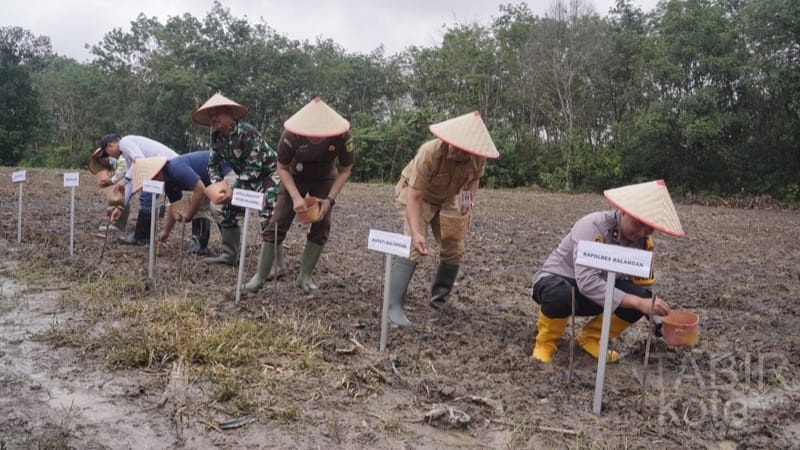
{"x": 247, "y": 154}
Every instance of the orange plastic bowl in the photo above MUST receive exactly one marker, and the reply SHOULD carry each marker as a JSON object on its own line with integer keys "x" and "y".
{"x": 311, "y": 212}
{"x": 681, "y": 329}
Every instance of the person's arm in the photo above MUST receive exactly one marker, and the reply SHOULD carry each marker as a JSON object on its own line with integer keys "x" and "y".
{"x": 413, "y": 215}
{"x": 336, "y": 188}
{"x": 169, "y": 223}
{"x": 287, "y": 180}
{"x": 660, "y": 308}
{"x": 198, "y": 195}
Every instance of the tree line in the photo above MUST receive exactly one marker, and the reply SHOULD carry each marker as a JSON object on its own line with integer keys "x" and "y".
{"x": 702, "y": 93}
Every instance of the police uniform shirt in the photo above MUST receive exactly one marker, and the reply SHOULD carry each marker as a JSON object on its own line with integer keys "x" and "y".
{"x": 315, "y": 160}
{"x": 601, "y": 226}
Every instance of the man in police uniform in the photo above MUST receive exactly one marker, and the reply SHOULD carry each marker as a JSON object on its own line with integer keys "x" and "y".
{"x": 442, "y": 168}
{"x": 640, "y": 210}
{"x": 239, "y": 145}
{"x": 313, "y": 140}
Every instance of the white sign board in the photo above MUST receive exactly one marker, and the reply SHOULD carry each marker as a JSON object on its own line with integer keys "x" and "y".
{"x": 392, "y": 243}
{"x": 615, "y": 258}
{"x": 71, "y": 179}
{"x": 153, "y": 186}
{"x": 247, "y": 199}
{"x": 18, "y": 176}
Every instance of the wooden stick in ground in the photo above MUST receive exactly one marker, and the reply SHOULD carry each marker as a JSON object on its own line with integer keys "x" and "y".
{"x": 180, "y": 260}
{"x": 647, "y": 353}
{"x": 275, "y": 261}
{"x": 105, "y": 240}
{"x": 571, "y": 345}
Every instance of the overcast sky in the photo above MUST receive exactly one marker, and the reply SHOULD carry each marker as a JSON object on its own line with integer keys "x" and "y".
{"x": 358, "y": 25}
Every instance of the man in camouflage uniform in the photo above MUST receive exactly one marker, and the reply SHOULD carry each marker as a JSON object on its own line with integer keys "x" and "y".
{"x": 239, "y": 145}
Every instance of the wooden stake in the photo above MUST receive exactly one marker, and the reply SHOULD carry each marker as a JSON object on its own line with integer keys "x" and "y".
{"x": 571, "y": 346}
{"x": 647, "y": 354}
{"x": 180, "y": 260}
{"x": 105, "y": 241}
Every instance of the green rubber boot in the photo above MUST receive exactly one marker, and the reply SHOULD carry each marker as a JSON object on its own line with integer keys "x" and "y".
{"x": 264, "y": 264}
{"x": 311, "y": 255}
{"x": 279, "y": 267}
{"x": 401, "y": 273}
{"x": 230, "y": 248}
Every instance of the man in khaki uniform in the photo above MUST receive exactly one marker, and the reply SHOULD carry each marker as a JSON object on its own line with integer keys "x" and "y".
{"x": 452, "y": 163}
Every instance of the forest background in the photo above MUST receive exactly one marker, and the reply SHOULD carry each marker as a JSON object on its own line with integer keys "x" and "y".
{"x": 702, "y": 93}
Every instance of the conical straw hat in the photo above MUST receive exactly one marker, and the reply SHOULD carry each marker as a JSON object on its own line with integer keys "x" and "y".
{"x": 146, "y": 169}
{"x": 317, "y": 119}
{"x": 97, "y": 164}
{"x": 468, "y": 133}
{"x": 648, "y": 203}
{"x": 202, "y": 117}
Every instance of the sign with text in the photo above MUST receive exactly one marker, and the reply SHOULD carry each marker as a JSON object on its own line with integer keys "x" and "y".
{"x": 153, "y": 186}
{"x": 71, "y": 179}
{"x": 18, "y": 176}
{"x": 615, "y": 258}
{"x": 392, "y": 243}
{"x": 247, "y": 199}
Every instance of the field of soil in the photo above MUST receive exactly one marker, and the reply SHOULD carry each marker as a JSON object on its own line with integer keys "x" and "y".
{"x": 458, "y": 378}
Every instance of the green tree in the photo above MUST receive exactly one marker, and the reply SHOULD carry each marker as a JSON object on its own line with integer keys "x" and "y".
{"x": 21, "y": 54}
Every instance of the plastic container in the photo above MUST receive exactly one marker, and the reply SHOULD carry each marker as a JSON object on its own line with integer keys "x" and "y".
{"x": 681, "y": 329}
{"x": 311, "y": 212}
{"x": 218, "y": 192}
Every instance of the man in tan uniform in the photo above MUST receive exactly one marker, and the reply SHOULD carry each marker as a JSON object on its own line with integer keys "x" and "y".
{"x": 443, "y": 167}
{"x": 640, "y": 210}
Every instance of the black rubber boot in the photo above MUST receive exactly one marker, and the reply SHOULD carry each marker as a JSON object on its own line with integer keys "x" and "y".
{"x": 201, "y": 230}
{"x": 443, "y": 284}
{"x": 141, "y": 233}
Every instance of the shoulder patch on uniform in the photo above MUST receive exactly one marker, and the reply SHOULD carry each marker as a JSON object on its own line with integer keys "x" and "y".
{"x": 349, "y": 145}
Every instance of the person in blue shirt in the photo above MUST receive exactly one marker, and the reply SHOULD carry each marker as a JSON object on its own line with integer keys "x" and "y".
{"x": 188, "y": 172}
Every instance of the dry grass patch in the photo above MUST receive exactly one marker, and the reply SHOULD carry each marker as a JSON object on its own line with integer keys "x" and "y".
{"x": 244, "y": 359}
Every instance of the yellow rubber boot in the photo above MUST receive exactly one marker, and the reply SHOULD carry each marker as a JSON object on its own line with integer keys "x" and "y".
{"x": 589, "y": 337}
{"x": 550, "y": 331}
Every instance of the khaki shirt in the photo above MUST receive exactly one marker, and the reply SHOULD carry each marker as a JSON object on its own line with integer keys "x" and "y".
{"x": 600, "y": 226}
{"x": 437, "y": 177}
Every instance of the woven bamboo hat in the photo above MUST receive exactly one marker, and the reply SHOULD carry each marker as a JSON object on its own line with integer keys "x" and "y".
{"x": 146, "y": 169}
{"x": 468, "y": 133}
{"x": 317, "y": 119}
{"x": 96, "y": 163}
{"x": 202, "y": 117}
{"x": 648, "y": 203}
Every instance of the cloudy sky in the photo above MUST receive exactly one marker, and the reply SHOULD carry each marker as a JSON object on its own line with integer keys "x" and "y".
{"x": 358, "y": 25}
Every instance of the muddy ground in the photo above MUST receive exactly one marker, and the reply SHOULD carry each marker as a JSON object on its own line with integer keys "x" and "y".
{"x": 738, "y": 388}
